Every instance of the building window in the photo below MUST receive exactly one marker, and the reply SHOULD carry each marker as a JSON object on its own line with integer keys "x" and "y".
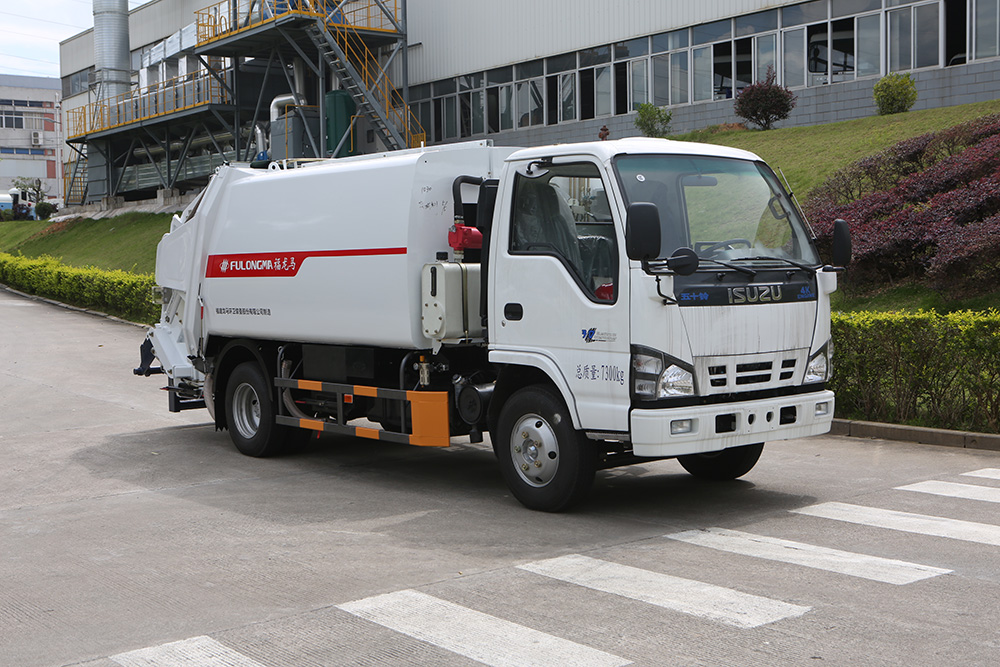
{"x": 702, "y": 73}
{"x": 530, "y": 103}
{"x": 661, "y": 80}
{"x": 987, "y": 29}
{"x": 793, "y": 54}
{"x": 12, "y": 120}
{"x": 869, "y": 45}
{"x": 767, "y": 54}
{"x": 913, "y": 37}
{"x": 500, "y": 99}
{"x": 679, "y": 77}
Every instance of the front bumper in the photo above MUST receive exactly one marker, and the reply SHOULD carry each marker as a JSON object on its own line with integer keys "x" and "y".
{"x": 723, "y": 425}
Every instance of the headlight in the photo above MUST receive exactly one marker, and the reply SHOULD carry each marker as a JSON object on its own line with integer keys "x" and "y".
{"x": 675, "y": 381}
{"x": 819, "y": 367}
{"x": 655, "y": 375}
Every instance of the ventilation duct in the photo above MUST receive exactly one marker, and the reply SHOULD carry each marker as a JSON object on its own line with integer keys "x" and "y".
{"x": 111, "y": 48}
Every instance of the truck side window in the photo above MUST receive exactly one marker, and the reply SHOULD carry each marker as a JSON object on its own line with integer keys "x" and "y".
{"x": 565, "y": 213}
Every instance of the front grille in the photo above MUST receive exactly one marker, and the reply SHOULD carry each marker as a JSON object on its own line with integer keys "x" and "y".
{"x": 722, "y": 374}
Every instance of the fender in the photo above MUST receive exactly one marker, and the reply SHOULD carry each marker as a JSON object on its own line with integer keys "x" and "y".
{"x": 545, "y": 364}
{"x": 233, "y": 353}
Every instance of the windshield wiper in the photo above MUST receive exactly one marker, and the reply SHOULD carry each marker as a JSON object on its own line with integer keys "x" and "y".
{"x": 792, "y": 262}
{"x": 741, "y": 269}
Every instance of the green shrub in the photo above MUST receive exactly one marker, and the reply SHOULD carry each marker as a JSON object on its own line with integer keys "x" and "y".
{"x": 120, "y": 293}
{"x": 44, "y": 210}
{"x": 921, "y": 368}
{"x": 653, "y": 121}
{"x": 895, "y": 93}
{"x": 765, "y": 102}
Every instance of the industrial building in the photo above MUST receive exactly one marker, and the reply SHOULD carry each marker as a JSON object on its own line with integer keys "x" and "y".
{"x": 156, "y": 98}
{"x": 31, "y": 139}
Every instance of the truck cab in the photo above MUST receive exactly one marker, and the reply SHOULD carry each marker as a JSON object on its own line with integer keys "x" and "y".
{"x": 671, "y": 296}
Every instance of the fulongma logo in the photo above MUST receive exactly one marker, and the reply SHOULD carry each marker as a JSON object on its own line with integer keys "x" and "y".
{"x": 224, "y": 265}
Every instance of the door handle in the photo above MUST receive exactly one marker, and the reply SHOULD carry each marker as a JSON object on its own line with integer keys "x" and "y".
{"x": 513, "y": 311}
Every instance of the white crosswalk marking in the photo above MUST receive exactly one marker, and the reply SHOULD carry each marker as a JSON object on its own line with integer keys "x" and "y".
{"x": 684, "y": 595}
{"x": 886, "y": 570}
{"x": 488, "y": 639}
{"x": 905, "y": 521}
{"x": 986, "y": 473}
{"x": 194, "y": 652}
{"x": 953, "y": 490}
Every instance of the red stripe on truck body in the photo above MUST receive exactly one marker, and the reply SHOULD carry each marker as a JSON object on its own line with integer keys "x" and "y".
{"x": 279, "y": 264}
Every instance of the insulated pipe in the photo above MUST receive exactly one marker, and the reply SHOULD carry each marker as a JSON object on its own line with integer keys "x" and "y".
{"x": 299, "y": 79}
{"x": 261, "y": 141}
{"x": 279, "y": 102}
{"x": 111, "y": 48}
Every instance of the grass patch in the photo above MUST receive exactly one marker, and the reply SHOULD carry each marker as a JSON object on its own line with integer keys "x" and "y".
{"x": 910, "y": 298}
{"x": 126, "y": 242}
{"x": 809, "y": 155}
{"x": 15, "y": 232}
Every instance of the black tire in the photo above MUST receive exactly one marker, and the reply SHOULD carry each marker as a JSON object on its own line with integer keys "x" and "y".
{"x": 727, "y": 464}
{"x": 250, "y": 413}
{"x": 547, "y": 465}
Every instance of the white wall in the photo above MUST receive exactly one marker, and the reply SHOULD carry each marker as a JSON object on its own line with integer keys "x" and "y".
{"x": 452, "y": 37}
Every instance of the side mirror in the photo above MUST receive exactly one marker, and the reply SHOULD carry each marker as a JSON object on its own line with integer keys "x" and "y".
{"x": 642, "y": 231}
{"x": 841, "y": 243}
{"x": 683, "y": 262}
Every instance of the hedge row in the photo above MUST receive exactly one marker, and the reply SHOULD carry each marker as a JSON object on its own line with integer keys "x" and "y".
{"x": 921, "y": 368}
{"x": 119, "y": 293}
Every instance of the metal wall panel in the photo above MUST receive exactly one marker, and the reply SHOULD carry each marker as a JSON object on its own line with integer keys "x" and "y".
{"x": 451, "y": 37}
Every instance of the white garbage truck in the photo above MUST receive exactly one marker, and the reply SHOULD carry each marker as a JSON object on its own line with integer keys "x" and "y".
{"x": 588, "y": 305}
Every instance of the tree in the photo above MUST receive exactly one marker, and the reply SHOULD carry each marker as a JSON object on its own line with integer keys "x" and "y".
{"x": 653, "y": 121}
{"x": 765, "y": 102}
{"x": 32, "y": 185}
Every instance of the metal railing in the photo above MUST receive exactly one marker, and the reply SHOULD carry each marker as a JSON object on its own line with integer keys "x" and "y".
{"x": 230, "y": 17}
{"x": 177, "y": 94}
{"x": 376, "y": 80}
{"x": 75, "y": 182}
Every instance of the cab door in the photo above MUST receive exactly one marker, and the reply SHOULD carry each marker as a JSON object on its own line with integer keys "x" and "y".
{"x": 559, "y": 298}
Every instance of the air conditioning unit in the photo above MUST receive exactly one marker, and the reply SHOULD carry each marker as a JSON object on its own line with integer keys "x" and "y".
{"x": 36, "y": 138}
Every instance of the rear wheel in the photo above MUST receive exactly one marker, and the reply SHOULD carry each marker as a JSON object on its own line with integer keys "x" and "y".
{"x": 547, "y": 464}
{"x": 250, "y": 413}
{"x": 727, "y": 464}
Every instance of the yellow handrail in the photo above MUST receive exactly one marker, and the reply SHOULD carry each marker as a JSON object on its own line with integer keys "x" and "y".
{"x": 231, "y": 17}
{"x": 177, "y": 94}
{"x": 376, "y": 80}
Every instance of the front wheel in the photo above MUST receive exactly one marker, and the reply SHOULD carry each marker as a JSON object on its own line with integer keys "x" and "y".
{"x": 727, "y": 464}
{"x": 546, "y": 463}
{"x": 250, "y": 413}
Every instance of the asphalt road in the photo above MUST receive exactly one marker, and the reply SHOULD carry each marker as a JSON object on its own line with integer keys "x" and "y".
{"x": 132, "y": 536}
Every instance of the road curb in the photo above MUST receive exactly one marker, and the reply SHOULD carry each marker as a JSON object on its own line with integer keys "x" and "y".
{"x": 918, "y": 434}
{"x": 60, "y": 304}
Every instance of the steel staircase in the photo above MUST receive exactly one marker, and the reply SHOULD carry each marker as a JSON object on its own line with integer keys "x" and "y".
{"x": 361, "y": 74}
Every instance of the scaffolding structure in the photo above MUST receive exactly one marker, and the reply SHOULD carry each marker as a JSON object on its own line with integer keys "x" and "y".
{"x": 171, "y": 135}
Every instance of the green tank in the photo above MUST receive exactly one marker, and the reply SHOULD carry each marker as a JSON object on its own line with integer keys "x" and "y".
{"x": 340, "y": 108}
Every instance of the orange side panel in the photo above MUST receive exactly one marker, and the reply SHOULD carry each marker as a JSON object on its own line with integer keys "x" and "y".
{"x": 313, "y": 424}
{"x": 429, "y": 411}
{"x": 366, "y": 391}
{"x": 371, "y": 433}
{"x": 311, "y": 385}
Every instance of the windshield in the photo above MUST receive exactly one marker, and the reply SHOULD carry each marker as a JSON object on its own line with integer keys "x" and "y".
{"x": 724, "y": 209}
